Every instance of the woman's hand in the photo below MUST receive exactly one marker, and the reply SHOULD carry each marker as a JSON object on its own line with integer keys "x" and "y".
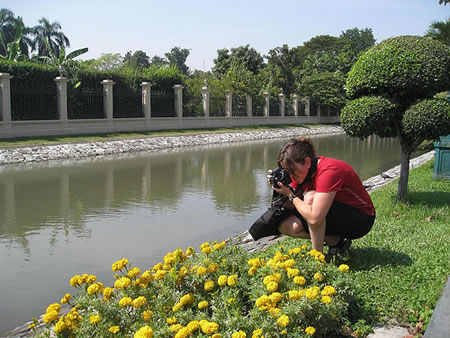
{"x": 282, "y": 190}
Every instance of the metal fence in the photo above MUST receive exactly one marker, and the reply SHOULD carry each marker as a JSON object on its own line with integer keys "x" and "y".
{"x": 274, "y": 108}
{"x": 33, "y": 103}
{"x": 217, "y": 106}
{"x": 313, "y": 107}
{"x": 85, "y": 103}
{"x": 289, "y": 107}
{"x": 258, "y": 106}
{"x": 163, "y": 104}
{"x": 192, "y": 106}
{"x": 301, "y": 107}
{"x": 239, "y": 105}
{"x": 127, "y": 103}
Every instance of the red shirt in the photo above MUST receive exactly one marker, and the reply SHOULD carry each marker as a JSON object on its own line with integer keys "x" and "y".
{"x": 336, "y": 175}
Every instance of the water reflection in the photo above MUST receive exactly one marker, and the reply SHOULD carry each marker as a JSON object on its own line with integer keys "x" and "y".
{"x": 63, "y": 218}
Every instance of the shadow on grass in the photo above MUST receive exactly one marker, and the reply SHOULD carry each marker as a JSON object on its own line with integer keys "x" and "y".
{"x": 364, "y": 259}
{"x": 430, "y": 198}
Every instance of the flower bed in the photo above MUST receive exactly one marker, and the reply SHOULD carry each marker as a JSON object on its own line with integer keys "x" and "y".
{"x": 221, "y": 291}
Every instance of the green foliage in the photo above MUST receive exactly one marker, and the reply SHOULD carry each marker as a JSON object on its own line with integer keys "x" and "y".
{"x": 440, "y": 31}
{"x": 48, "y": 38}
{"x": 405, "y": 67}
{"x": 27, "y": 73}
{"x": 137, "y": 60}
{"x": 369, "y": 115}
{"x": 242, "y": 56}
{"x": 326, "y": 88}
{"x": 426, "y": 120}
{"x": 360, "y": 39}
{"x": 177, "y": 58}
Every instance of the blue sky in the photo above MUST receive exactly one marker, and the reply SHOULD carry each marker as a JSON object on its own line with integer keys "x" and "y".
{"x": 204, "y": 26}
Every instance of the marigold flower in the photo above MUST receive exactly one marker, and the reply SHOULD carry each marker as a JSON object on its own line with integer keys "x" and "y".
{"x": 122, "y": 282}
{"x": 204, "y": 245}
{"x": 261, "y": 301}
{"x": 95, "y": 319}
{"x": 274, "y": 311}
{"x": 343, "y": 268}
{"x": 125, "y": 301}
{"x": 147, "y": 315}
{"x": 157, "y": 267}
{"x": 160, "y": 274}
{"x": 326, "y": 299}
{"x": 293, "y": 295}
{"x": 53, "y": 307}
{"x": 257, "y": 333}
{"x": 139, "y": 302}
{"x": 134, "y": 272}
{"x": 213, "y": 267}
{"x": 171, "y": 320}
{"x": 207, "y": 250}
{"x": 60, "y": 326}
{"x": 275, "y": 297}
{"x": 283, "y": 321}
{"x": 216, "y": 335}
{"x": 328, "y": 291}
{"x": 239, "y": 334}
{"x": 310, "y": 330}
{"x": 187, "y": 299}
{"x": 252, "y": 271}
{"x": 107, "y": 293}
{"x": 114, "y": 329}
{"x": 144, "y": 332}
{"x": 299, "y": 280}
{"x": 312, "y": 293}
{"x": 192, "y": 326}
{"x": 177, "y": 307}
{"x": 201, "y": 270}
{"x": 292, "y": 272}
{"x": 232, "y": 280}
{"x": 119, "y": 265}
{"x": 190, "y": 251}
{"x": 66, "y": 298}
{"x": 318, "y": 276}
{"x": 272, "y": 286}
{"x": 231, "y": 300}
{"x": 209, "y": 285}
{"x": 175, "y": 328}
{"x": 50, "y": 316}
{"x": 222, "y": 281}
{"x": 32, "y": 326}
{"x": 75, "y": 281}
{"x": 208, "y": 327}
{"x": 203, "y": 305}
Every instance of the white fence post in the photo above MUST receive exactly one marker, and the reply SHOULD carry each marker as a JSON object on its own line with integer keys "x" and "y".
{"x": 229, "y": 104}
{"x": 108, "y": 98}
{"x": 249, "y": 106}
{"x": 295, "y": 104}
{"x": 307, "y": 106}
{"x": 147, "y": 99}
{"x": 205, "y": 99}
{"x": 61, "y": 97}
{"x": 5, "y": 97}
{"x": 178, "y": 100}
{"x": 266, "y": 104}
{"x": 281, "y": 103}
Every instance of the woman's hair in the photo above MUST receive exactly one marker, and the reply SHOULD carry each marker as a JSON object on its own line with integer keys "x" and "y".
{"x": 296, "y": 150}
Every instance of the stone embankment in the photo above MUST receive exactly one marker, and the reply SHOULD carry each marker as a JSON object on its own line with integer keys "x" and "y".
{"x": 12, "y": 155}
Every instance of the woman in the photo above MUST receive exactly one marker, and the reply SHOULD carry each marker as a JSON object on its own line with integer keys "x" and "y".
{"x": 341, "y": 209}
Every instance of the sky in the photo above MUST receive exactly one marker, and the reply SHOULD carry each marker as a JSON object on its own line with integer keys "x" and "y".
{"x": 204, "y": 26}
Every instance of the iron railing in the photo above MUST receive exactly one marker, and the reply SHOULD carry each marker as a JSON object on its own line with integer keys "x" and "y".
{"x": 217, "y": 106}
{"x": 163, "y": 104}
{"x": 85, "y": 103}
{"x": 239, "y": 105}
{"x": 274, "y": 107}
{"x": 127, "y": 103}
{"x": 192, "y": 106}
{"x": 289, "y": 107}
{"x": 258, "y": 106}
{"x": 33, "y": 103}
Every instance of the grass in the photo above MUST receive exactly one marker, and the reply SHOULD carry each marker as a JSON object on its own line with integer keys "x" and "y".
{"x": 48, "y": 140}
{"x": 402, "y": 265}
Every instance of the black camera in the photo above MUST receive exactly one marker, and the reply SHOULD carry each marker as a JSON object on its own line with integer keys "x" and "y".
{"x": 279, "y": 175}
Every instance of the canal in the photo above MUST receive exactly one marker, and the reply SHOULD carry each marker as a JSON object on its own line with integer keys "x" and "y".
{"x": 58, "y": 219}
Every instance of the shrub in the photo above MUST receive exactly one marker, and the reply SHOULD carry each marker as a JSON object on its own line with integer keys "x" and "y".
{"x": 220, "y": 291}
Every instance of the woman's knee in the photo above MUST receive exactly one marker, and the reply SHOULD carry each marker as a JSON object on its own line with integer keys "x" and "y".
{"x": 292, "y": 226}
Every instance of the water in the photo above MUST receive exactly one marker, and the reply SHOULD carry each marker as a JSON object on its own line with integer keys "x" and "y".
{"x": 64, "y": 218}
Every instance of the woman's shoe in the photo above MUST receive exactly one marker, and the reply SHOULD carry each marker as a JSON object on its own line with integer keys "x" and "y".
{"x": 340, "y": 247}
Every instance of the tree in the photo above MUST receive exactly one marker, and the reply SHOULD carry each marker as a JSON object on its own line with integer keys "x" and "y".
{"x": 50, "y": 32}
{"x": 138, "y": 60}
{"x": 445, "y": 2}
{"x": 106, "y": 62}
{"x": 359, "y": 39}
{"x": 159, "y": 61}
{"x": 326, "y": 88}
{"x": 177, "y": 57}
{"x": 440, "y": 31}
{"x": 245, "y": 56}
{"x": 9, "y": 28}
{"x": 12, "y": 48}
{"x": 392, "y": 87}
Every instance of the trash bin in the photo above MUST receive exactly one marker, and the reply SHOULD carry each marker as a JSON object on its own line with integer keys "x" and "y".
{"x": 442, "y": 158}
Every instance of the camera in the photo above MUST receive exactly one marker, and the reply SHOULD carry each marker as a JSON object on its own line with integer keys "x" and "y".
{"x": 279, "y": 175}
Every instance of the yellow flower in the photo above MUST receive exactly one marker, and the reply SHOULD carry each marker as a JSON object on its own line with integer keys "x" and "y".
{"x": 213, "y": 267}
{"x": 95, "y": 319}
{"x": 50, "y": 316}
{"x": 208, "y": 327}
{"x": 176, "y": 327}
{"x": 160, "y": 274}
{"x": 147, "y": 316}
{"x": 119, "y": 265}
{"x": 190, "y": 251}
{"x": 171, "y": 320}
{"x": 328, "y": 291}
{"x": 312, "y": 293}
{"x": 299, "y": 280}
{"x": 203, "y": 305}
{"x": 275, "y": 297}
{"x": 293, "y": 295}
{"x": 292, "y": 272}
{"x": 122, "y": 282}
{"x": 139, "y": 302}
{"x": 204, "y": 245}
{"x": 54, "y": 307}
{"x": 252, "y": 270}
{"x": 318, "y": 276}
{"x": 232, "y": 280}
{"x": 187, "y": 299}
{"x": 114, "y": 329}
{"x": 107, "y": 293}
{"x": 209, "y": 285}
{"x": 60, "y": 326}
{"x": 134, "y": 272}
{"x": 32, "y": 326}
{"x": 274, "y": 311}
{"x": 216, "y": 335}
{"x": 222, "y": 281}
{"x": 272, "y": 286}
{"x": 144, "y": 332}
{"x": 125, "y": 301}
{"x": 258, "y": 333}
{"x": 283, "y": 321}
{"x": 310, "y": 330}
{"x": 343, "y": 268}
{"x": 66, "y": 298}
{"x": 239, "y": 334}
{"x": 326, "y": 299}
{"x": 201, "y": 270}
{"x": 177, "y": 307}
{"x": 231, "y": 300}
{"x": 261, "y": 301}
{"x": 207, "y": 250}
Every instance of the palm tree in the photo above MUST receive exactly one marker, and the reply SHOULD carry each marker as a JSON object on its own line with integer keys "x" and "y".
{"x": 440, "y": 30}
{"x": 9, "y": 28}
{"x": 50, "y": 32}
